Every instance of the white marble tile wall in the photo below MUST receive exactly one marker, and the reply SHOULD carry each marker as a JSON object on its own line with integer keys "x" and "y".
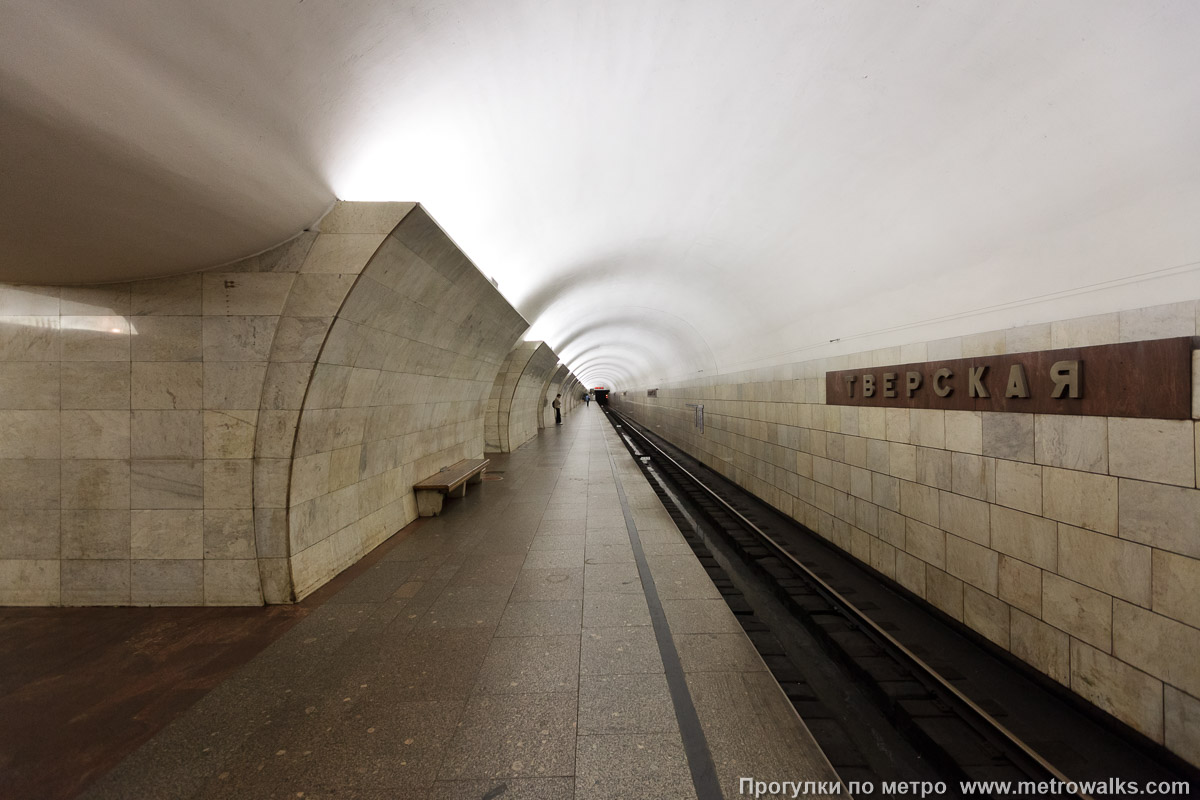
{"x": 400, "y": 390}
{"x": 517, "y": 394}
{"x": 1073, "y": 542}
{"x": 500, "y": 401}
{"x": 108, "y": 390}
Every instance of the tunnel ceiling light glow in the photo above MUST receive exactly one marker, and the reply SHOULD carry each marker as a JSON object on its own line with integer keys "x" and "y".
{"x": 673, "y": 189}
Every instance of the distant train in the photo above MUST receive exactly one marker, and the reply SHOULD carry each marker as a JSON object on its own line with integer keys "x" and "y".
{"x": 600, "y": 395}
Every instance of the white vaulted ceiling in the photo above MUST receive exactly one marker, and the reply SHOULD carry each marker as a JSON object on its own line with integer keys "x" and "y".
{"x": 664, "y": 188}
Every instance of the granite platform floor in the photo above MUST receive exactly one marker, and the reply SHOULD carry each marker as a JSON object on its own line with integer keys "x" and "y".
{"x": 551, "y": 635}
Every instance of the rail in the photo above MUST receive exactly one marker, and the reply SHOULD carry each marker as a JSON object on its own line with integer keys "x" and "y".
{"x": 862, "y": 618}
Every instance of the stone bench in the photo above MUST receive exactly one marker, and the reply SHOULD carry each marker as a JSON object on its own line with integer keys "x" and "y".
{"x": 432, "y": 491}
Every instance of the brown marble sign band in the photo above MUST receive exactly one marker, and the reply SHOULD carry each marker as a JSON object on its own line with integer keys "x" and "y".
{"x": 1135, "y": 379}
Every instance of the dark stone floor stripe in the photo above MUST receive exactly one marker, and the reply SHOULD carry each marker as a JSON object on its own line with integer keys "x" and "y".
{"x": 695, "y": 745}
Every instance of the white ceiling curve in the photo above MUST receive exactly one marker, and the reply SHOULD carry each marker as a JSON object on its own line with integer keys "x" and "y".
{"x": 664, "y": 189}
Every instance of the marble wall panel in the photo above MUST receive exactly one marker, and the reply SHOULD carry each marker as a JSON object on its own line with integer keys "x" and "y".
{"x": 1158, "y": 450}
{"x": 400, "y": 390}
{"x": 1070, "y": 541}
{"x": 1042, "y": 646}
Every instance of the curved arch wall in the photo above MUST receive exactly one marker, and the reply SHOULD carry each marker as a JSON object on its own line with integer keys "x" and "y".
{"x": 553, "y": 386}
{"x": 572, "y": 394}
{"x": 559, "y": 382}
{"x": 399, "y": 391}
{"x": 514, "y": 407}
{"x": 569, "y": 401}
{"x": 239, "y": 435}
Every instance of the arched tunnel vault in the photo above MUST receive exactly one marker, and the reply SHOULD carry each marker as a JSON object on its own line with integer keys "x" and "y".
{"x": 622, "y": 312}
{"x": 636, "y": 358}
{"x": 679, "y": 348}
{"x": 635, "y": 355}
{"x": 800, "y": 191}
{"x": 806, "y": 208}
{"x": 606, "y": 373}
{"x": 626, "y": 364}
{"x": 632, "y": 358}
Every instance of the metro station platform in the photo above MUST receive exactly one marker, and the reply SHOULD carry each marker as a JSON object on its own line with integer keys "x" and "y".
{"x": 551, "y": 635}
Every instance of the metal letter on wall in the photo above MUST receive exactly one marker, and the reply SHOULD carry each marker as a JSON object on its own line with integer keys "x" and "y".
{"x": 939, "y": 387}
{"x": 698, "y": 418}
{"x": 1134, "y": 379}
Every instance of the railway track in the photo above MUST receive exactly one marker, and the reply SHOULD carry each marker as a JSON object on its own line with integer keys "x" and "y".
{"x": 921, "y": 682}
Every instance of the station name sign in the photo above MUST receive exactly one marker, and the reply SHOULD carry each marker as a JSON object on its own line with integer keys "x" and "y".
{"x": 1136, "y": 379}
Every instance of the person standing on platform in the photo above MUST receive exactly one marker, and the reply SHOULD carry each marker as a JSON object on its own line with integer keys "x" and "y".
{"x": 587, "y": 399}
{"x": 557, "y": 409}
